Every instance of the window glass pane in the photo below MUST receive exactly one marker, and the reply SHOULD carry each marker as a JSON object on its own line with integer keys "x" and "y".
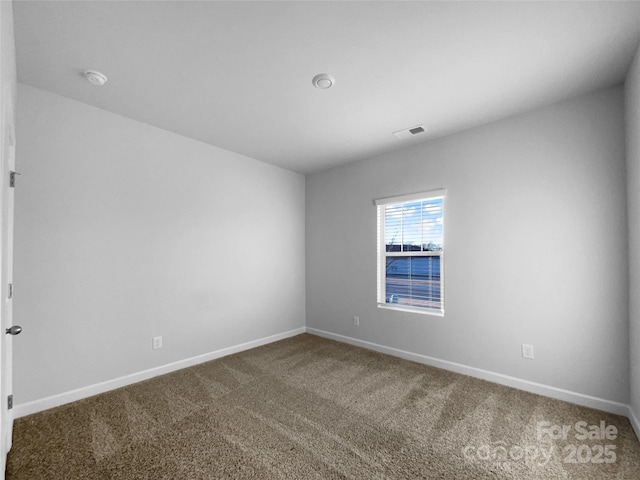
{"x": 414, "y": 226}
{"x": 411, "y": 226}
{"x": 432, "y": 224}
{"x": 413, "y": 281}
{"x": 393, "y": 228}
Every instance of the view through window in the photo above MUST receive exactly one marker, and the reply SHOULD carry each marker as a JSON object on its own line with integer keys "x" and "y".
{"x": 411, "y": 250}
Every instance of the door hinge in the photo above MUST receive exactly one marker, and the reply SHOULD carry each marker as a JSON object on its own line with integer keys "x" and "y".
{"x": 9, "y": 402}
{"x": 12, "y": 179}
{"x": 10, "y": 291}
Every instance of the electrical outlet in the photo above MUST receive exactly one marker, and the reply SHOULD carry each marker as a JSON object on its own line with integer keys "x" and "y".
{"x": 356, "y": 321}
{"x": 527, "y": 351}
{"x": 157, "y": 343}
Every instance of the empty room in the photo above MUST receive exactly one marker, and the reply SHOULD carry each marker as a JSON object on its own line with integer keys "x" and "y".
{"x": 320, "y": 240}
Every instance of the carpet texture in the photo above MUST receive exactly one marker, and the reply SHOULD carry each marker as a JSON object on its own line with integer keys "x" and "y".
{"x": 311, "y": 408}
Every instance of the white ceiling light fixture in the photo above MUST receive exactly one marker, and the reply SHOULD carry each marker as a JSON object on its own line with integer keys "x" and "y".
{"x": 323, "y": 81}
{"x": 95, "y": 78}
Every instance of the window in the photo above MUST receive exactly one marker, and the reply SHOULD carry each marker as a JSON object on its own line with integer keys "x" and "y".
{"x": 411, "y": 252}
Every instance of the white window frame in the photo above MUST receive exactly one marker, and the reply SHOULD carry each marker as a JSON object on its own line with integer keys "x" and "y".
{"x": 382, "y": 254}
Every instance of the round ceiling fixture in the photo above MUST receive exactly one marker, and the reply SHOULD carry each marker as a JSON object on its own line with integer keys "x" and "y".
{"x": 95, "y": 78}
{"x": 323, "y": 81}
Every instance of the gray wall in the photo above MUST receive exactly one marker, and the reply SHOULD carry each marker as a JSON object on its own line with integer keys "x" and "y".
{"x": 536, "y": 247}
{"x": 632, "y": 98}
{"x": 125, "y": 231}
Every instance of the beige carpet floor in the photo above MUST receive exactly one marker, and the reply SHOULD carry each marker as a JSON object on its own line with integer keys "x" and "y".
{"x": 311, "y": 408}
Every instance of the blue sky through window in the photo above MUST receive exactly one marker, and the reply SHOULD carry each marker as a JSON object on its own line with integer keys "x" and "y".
{"x": 414, "y": 226}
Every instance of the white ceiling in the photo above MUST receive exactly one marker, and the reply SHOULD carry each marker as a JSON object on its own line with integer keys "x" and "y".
{"x": 238, "y": 74}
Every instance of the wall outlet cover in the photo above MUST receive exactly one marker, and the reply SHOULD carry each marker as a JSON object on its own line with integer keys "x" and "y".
{"x": 527, "y": 351}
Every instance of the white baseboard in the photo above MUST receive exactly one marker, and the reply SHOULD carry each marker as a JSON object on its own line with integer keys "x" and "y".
{"x": 634, "y": 421}
{"x": 617, "y": 408}
{"x": 35, "y": 406}
{"x": 532, "y": 387}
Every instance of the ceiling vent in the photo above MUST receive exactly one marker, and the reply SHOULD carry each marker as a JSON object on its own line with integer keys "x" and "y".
{"x": 409, "y": 132}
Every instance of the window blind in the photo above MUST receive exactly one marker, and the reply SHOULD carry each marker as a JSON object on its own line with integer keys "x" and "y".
{"x": 411, "y": 251}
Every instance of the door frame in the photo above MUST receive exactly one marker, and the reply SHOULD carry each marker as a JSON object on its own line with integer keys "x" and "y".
{"x": 7, "y": 152}
{"x": 8, "y": 85}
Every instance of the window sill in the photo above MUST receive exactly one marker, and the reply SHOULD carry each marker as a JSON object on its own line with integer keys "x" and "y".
{"x": 401, "y": 308}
